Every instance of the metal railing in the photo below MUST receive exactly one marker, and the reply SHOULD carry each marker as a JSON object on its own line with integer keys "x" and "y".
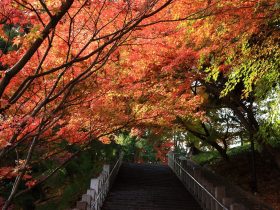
{"x": 199, "y": 192}
{"x": 105, "y": 185}
{"x": 206, "y": 194}
{"x": 99, "y": 187}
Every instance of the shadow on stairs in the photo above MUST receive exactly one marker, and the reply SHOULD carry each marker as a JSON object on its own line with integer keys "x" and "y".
{"x": 148, "y": 187}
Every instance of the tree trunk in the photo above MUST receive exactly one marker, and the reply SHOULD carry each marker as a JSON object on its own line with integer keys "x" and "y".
{"x": 222, "y": 151}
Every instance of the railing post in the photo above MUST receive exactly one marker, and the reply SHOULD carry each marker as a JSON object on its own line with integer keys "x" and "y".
{"x": 219, "y": 195}
{"x": 213, "y": 202}
{"x": 106, "y": 171}
{"x": 99, "y": 188}
{"x": 175, "y": 165}
{"x": 92, "y": 194}
{"x": 203, "y": 196}
{"x": 81, "y": 205}
{"x": 209, "y": 200}
{"x": 196, "y": 175}
{"x": 189, "y": 169}
{"x": 102, "y": 185}
{"x": 171, "y": 157}
{"x": 87, "y": 198}
{"x": 237, "y": 206}
{"x": 209, "y": 196}
{"x": 94, "y": 185}
{"x": 227, "y": 202}
{"x": 184, "y": 175}
{"x": 173, "y": 162}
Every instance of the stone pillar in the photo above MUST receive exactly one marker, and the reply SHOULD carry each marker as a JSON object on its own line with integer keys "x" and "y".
{"x": 105, "y": 173}
{"x": 92, "y": 193}
{"x": 106, "y": 167}
{"x": 87, "y": 198}
{"x": 94, "y": 184}
{"x": 81, "y": 205}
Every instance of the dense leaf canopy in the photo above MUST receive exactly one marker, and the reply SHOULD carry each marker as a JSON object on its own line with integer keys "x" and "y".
{"x": 83, "y": 70}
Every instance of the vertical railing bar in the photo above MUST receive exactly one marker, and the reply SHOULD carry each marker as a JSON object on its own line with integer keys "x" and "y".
{"x": 103, "y": 190}
{"x": 175, "y": 166}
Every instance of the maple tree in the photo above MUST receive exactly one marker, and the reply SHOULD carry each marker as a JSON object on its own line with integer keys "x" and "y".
{"x": 48, "y": 51}
{"x": 56, "y": 45}
{"x": 80, "y": 70}
{"x": 231, "y": 53}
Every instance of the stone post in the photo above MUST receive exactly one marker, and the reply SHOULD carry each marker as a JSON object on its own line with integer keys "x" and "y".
{"x": 87, "y": 198}
{"x": 92, "y": 193}
{"x": 94, "y": 184}
{"x": 81, "y": 205}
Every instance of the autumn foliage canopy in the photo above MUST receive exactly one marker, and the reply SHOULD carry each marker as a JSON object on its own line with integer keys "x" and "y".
{"x": 80, "y": 70}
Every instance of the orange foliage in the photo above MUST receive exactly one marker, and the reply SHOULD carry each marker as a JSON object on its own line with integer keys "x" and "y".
{"x": 7, "y": 173}
{"x": 77, "y": 70}
{"x": 163, "y": 149}
{"x": 148, "y": 72}
{"x": 105, "y": 140}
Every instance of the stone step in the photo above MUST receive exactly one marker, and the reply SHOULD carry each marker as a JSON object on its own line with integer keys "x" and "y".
{"x": 148, "y": 187}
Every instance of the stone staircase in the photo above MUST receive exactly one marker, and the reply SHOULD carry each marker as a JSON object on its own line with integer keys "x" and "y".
{"x": 148, "y": 187}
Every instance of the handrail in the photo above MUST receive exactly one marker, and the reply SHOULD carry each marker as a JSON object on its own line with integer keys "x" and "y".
{"x": 210, "y": 190}
{"x": 201, "y": 186}
{"x": 99, "y": 187}
{"x": 101, "y": 193}
{"x": 196, "y": 188}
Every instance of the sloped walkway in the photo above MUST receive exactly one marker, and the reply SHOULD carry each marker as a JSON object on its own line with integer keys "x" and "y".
{"x": 148, "y": 187}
